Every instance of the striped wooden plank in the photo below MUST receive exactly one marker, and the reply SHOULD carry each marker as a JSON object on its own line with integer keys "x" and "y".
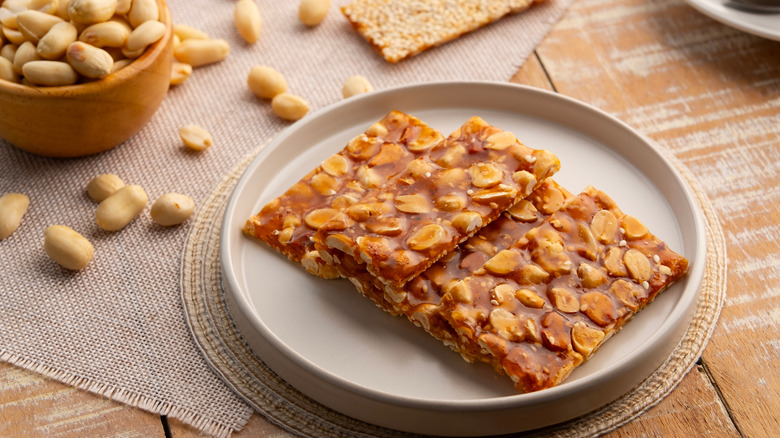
{"x": 711, "y": 94}
{"x": 34, "y": 406}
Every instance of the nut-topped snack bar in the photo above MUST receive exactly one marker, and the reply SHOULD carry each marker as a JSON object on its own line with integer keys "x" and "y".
{"x": 540, "y": 308}
{"x": 470, "y": 239}
{"x": 288, "y": 222}
{"x": 437, "y": 202}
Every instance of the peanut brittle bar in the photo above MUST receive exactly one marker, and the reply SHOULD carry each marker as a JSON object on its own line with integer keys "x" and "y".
{"x": 288, "y": 222}
{"x": 399, "y": 29}
{"x": 441, "y": 199}
{"x": 537, "y": 310}
{"x": 419, "y": 298}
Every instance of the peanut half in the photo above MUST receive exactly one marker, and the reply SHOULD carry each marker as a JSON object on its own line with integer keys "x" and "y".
{"x": 195, "y": 137}
{"x": 312, "y": 12}
{"x": 91, "y": 11}
{"x": 355, "y": 85}
{"x": 51, "y": 73}
{"x": 201, "y": 52}
{"x": 119, "y": 209}
{"x": 68, "y": 248}
{"x": 289, "y": 106}
{"x": 88, "y": 60}
{"x": 172, "y": 209}
{"x": 103, "y": 186}
{"x": 265, "y": 82}
{"x": 13, "y": 206}
{"x": 248, "y": 21}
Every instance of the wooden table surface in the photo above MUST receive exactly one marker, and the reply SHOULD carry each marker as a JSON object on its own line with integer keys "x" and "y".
{"x": 706, "y": 91}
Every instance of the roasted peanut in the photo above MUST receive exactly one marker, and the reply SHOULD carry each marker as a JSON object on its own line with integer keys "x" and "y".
{"x": 52, "y": 73}
{"x": 120, "y": 64}
{"x": 426, "y": 237}
{"x": 195, "y": 137}
{"x": 249, "y": 23}
{"x": 68, "y": 248}
{"x": 185, "y": 32}
{"x": 265, "y": 82}
{"x": 172, "y": 209}
{"x": 312, "y": 12}
{"x": 638, "y": 265}
{"x": 180, "y": 72}
{"x": 107, "y": 34}
{"x": 91, "y": 11}
{"x": 289, "y": 106}
{"x": 142, "y": 11}
{"x": 604, "y": 226}
{"x": 7, "y": 72}
{"x": 24, "y": 54}
{"x": 90, "y": 61}
{"x": 149, "y": 32}
{"x": 103, "y": 186}
{"x": 13, "y": 36}
{"x": 119, "y": 209}
{"x": 201, "y": 52}
{"x": 13, "y": 206}
{"x": 56, "y": 41}
{"x": 8, "y": 52}
{"x": 47, "y": 6}
{"x": 34, "y": 24}
{"x": 122, "y": 6}
{"x": 355, "y": 85}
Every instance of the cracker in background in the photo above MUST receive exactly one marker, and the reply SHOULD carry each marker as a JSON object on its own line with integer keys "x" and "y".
{"x": 399, "y": 29}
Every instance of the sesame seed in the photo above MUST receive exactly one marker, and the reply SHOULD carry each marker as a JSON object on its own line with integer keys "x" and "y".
{"x": 622, "y": 243}
{"x": 656, "y": 258}
{"x": 646, "y": 285}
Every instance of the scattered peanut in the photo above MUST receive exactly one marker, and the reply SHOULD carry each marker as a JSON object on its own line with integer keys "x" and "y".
{"x": 248, "y": 21}
{"x": 355, "y": 85}
{"x": 265, "y": 82}
{"x": 180, "y": 72}
{"x": 195, "y": 137}
{"x": 90, "y": 61}
{"x": 68, "y": 248}
{"x": 289, "y": 106}
{"x": 103, "y": 186}
{"x": 172, "y": 209}
{"x": 312, "y": 12}
{"x": 119, "y": 209}
{"x": 185, "y": 32}
{"x": 13, "y": 206}
{"x": 201, "y": 52}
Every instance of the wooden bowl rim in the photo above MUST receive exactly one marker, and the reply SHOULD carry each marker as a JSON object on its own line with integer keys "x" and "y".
{"x": 112, "y": 80}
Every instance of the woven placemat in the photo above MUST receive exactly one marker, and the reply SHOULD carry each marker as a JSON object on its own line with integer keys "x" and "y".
{"x": 223, "y": 347}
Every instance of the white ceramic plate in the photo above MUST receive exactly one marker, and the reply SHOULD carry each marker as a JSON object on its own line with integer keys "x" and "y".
{"x": 335, "y": 346}
{"x": 761, "y": 24}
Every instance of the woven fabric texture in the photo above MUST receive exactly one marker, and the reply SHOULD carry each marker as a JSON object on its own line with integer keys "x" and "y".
{"x": 117, "y": 328}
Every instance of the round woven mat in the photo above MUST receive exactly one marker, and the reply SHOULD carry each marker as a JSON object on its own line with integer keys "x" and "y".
{"x": 211, "y": 325}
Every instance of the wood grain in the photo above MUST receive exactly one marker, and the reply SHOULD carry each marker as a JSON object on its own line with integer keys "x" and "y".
{"x": 711, "y": 94}
{"x": 34, "y": 406}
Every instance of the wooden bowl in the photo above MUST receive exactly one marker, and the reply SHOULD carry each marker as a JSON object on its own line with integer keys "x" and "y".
{"x": 84, "y": 119}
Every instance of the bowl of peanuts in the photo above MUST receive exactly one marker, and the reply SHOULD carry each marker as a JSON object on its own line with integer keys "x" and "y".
{"x": 80, "y": 77}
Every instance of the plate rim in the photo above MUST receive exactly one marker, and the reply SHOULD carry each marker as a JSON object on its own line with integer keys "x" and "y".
{"x": 509, "y": 402}
{"x": 733, "y": 18}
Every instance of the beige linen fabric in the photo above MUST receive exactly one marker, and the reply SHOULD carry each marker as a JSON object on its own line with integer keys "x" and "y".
{"x": 117, "y": 328}
{"x": 207, "y": 314}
